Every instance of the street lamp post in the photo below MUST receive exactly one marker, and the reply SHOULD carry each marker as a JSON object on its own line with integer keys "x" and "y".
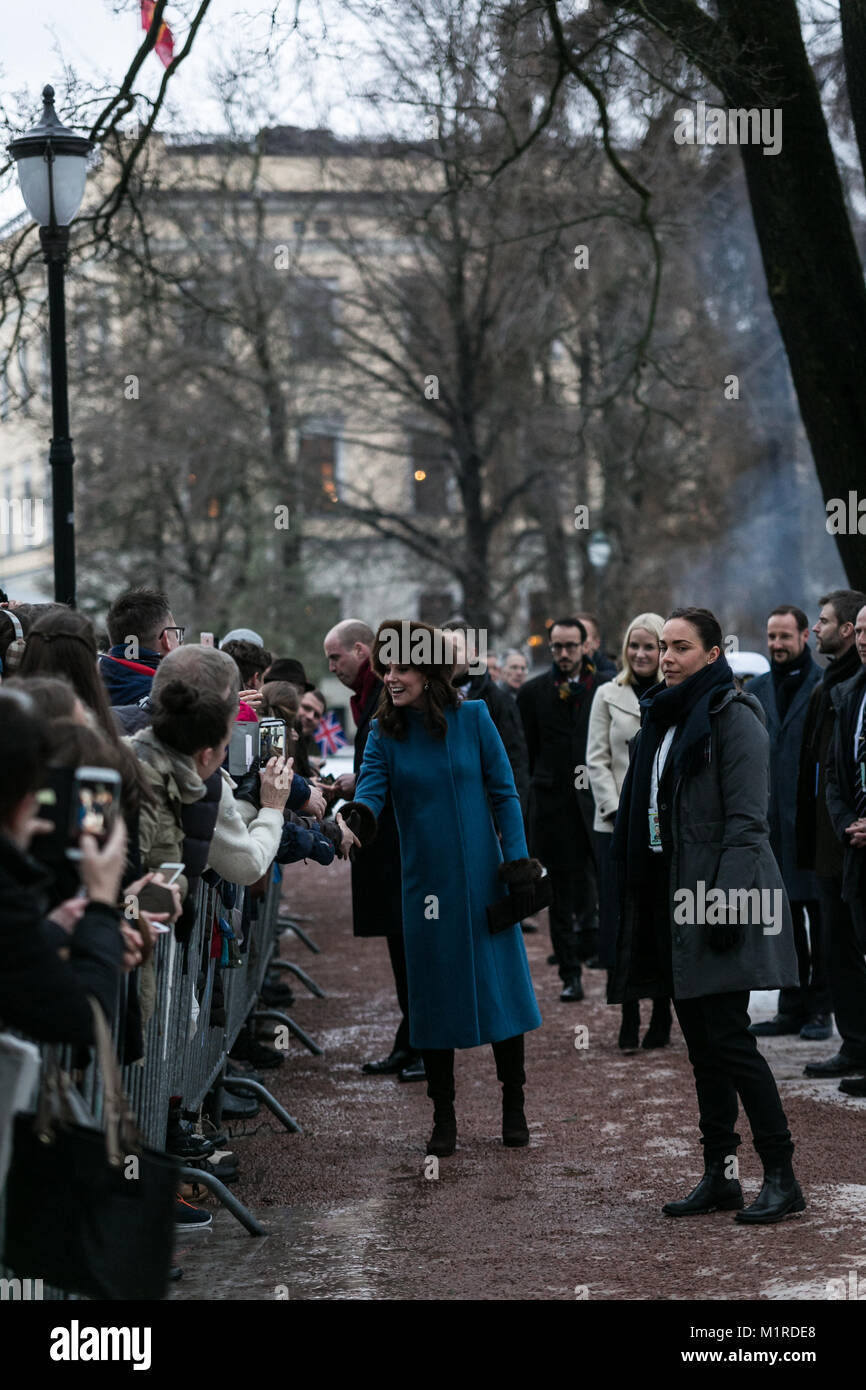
{"x": 52, "y": 167}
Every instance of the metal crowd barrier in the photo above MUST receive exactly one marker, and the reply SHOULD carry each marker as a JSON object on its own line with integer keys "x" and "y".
{"x": 185, "y": 1053}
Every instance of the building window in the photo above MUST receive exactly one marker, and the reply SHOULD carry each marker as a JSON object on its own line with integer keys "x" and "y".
{"x": 317, "y": 469}
{"x": 313, "y": 318}
{"x": 429, "y": 465}
{"x": 322, "y": 226}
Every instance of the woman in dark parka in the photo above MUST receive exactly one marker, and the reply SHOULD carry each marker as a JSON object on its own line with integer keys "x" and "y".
{"x": 447, "y": 773}
{"x": 693, "y": 819}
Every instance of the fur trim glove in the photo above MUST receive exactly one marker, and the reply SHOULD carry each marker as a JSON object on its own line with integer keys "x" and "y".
{"x": 520, "y": 875}
{"x": 520, "y": 872}
{"x": 360, "y": 820}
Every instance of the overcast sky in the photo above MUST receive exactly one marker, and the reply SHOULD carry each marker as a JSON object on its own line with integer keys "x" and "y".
{"x": 100, "y": 45}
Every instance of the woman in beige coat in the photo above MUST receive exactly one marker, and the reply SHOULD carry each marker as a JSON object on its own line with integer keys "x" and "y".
{"x": 614, "y": 720}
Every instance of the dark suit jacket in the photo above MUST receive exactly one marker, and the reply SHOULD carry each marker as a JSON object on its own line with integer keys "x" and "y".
{"x": 377, "y": 907}
{"x": 818, "y": 846}
{"x": 506, "y": 717}
{"x": 786, "y": 738}
{"x": 556, "y": 729}
{"x": 841, "y": 772}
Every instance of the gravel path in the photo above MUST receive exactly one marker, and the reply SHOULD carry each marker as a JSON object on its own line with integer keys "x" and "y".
{"x": 351, "y": 1214}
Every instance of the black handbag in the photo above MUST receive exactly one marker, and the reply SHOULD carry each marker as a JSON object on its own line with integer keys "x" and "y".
{"x": 507, "y": 913}
{"x": 89, "y": 1210}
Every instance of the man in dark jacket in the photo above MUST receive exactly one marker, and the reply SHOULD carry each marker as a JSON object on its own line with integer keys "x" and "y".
{"x": 818, "y": 846}
{"x": 846, "y": 804}
{"x": 784, "y": 693}
{"x": 554, "y": 708}
{"x": 605, "y": 669}
{"x": 377, "y": 890}
{"x": 142, "y": 632}
{"x": 475, "y": 684}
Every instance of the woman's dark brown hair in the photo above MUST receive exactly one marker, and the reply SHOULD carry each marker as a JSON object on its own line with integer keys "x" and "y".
{"x": 53, "y": 696}
{"x": 63, "y": 643}
{"x": 189, "y": 719}
{"x": 439, "y": 695}
{"x": 705, "y": 623}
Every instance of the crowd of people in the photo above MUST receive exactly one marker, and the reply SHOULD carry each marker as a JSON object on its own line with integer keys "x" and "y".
{"x": 625, "y": 791}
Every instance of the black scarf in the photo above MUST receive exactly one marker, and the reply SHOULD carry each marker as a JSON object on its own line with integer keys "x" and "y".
{"x": 686, "y": 705}
{"x": 788, "y": 677}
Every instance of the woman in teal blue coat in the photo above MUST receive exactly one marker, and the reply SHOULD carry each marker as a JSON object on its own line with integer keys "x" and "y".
{"x": 444, "y": 766}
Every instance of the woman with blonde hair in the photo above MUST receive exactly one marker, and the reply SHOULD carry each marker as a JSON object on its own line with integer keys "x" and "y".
{"x": 613, "y": 722}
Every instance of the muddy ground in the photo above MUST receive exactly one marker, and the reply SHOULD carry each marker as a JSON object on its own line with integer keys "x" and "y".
{"x": 351, "y": 1214}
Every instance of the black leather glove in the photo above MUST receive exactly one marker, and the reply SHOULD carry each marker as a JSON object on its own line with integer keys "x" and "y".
{"x": 521, "y": 876}
{"x": 360, "y": 820}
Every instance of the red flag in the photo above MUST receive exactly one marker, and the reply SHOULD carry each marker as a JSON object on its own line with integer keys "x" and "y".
{"x": 164, "y": 46}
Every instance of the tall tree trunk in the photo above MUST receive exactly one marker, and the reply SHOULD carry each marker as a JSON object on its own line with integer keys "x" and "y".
{"x": 755, "y": 55}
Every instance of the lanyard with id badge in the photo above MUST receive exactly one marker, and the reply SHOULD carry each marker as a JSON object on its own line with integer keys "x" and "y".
{"x": 655, "y": 835}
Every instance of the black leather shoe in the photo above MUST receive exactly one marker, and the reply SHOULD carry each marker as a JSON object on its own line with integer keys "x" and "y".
{"x": 390, "y": 1065}
{"x": 573, "y": 992}
{"x": 818, "y": 1028}
{"x": 238, "y": 1107}
{"x": 414, "y": 1071}
{"x": 777, "y": 1027}
{"x": 853, "y": 1086}
{"x": 443, "y": 1140}
{"x": 837, "y": 1065}
{"x": 629, "y": 1037}
{"x": 553, "y": 960}
{"x": 779, "y": 1197}
{"x": 714, "y": 1192}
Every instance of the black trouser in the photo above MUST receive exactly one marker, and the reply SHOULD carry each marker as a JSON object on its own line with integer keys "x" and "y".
{"x": 439, "y": 1066}
{"x": 725, "y": 1057}
{"x": 574, "y": 909}
{"x": 728, "y": 1064}
{"x": 397, "y": 952}
{"x": 846, "y": 968}
{"x": 813, "y": 994}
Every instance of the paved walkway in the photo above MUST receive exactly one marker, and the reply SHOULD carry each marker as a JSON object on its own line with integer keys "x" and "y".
{"x": 351, "y": 1215}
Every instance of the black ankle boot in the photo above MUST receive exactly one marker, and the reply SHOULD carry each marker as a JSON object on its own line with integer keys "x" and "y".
{"x": 515, "y": 1131}
{"x": 443, "y": 1140}
{"x": 630, "y": 1026}
{"x": 779, "y": 1197}
{"x": 509, "y": 1070}
{"x": 659, "y": 1032}
{"x": 439, "y": 1066}
{"x": 714, "y": 1192}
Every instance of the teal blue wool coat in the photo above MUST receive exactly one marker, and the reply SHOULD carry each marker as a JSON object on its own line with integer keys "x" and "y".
{"x": 465, "y": 986}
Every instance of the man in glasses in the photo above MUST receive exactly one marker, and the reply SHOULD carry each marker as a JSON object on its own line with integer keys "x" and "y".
{"x": 142, "y": 630}
{"x": 554, "y": 708}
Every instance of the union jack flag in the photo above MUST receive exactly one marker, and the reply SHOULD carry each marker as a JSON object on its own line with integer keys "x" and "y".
{"x": 329, "y": 734}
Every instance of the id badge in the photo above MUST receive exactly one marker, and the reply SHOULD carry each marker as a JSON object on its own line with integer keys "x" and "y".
{"x": 654, "y": 830}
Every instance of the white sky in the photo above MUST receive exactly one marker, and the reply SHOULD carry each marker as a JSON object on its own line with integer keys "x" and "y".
{"x": 100, "y": 45}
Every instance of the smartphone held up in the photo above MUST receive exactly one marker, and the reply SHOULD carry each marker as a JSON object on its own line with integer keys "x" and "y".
{"x": 95, "y": 805}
